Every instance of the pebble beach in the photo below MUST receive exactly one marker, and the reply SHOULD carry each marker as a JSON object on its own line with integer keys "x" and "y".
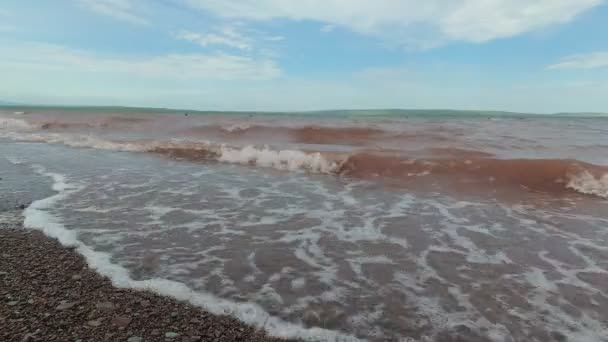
{"x": 47, "y": 293}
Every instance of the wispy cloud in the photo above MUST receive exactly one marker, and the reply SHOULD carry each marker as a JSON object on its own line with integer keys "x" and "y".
{"x": 226, "y": 36}
{"x": 427, "y": 23}
{"x": 218, "y": 66}
{"x": 236, "y": 36}
{"x": 118, "y": 9}
{"x": 275, "y": 38}
{"x": 583, "y": 61}
{"x": 483, "y": 20}
{"x": 327, "y": 28}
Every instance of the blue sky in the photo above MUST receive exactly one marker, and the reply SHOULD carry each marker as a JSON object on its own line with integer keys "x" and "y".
{"x": 517, "y": 55}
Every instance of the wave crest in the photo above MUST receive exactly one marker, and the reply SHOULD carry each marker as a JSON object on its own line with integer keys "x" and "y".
{"x": 11, "y": 124}
{"x": 282, "y": 159}
{"x": 586, "y": 183}
{"x": 546, "y": 175}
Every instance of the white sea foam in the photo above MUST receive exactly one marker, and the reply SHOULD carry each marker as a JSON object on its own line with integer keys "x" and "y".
{"x": 38, "y": 216}
{"x": 584, "y": 182}
{"x": 236, "y": 128}
{"x": 78, "y": 140}
{"x": 298, "y": 283}
{"x": 14, "y": 124}
{"x": 14, "y": 161}
{"x": 282, "y": 159}
{"x": 289, "y": 160}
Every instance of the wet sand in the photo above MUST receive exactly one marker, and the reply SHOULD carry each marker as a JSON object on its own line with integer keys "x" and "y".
{"x": 47, "y": 293}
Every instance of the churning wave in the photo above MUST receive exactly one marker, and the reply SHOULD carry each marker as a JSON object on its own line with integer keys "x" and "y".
{"x": 548, "y": 175}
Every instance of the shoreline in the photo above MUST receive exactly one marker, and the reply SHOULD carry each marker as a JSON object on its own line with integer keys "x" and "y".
{"x": 48, "y": 293}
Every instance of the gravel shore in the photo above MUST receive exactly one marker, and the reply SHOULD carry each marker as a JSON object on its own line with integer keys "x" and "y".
{"x": 47, "y": 293}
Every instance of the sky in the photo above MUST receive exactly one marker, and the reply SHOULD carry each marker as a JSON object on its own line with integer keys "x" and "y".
{"x": 538, "y": 56}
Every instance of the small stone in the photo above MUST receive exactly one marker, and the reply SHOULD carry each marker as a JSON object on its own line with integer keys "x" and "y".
{"x": 174, "y": 314}
{"x": 311, "y": 317}
{"x": 76, "y": 277}
{"x": 121, "y": 321}
{"x": 171, "y": 334}
{"x": 13, "y": 303}
{"x": 105, "y": 306}
{"x": 3, "y": 273}
{"x": 559, "y": 336}
{"x": 94, "y": 323}
{"x": 128, "y": 310}
{"x": 134, "y": 339}
{"x": 145, "y": 303}
{"x": 6, "y": 255}
{"x": 28, "y": 337}
{"x": 30, "y": 301}
{"x": 64, "y": 305}
{"x": 155, "y": 332}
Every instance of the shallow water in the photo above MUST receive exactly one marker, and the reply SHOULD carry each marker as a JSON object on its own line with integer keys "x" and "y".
{"x": 376, "y": 253}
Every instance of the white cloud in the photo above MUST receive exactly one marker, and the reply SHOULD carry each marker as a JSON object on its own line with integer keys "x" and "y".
{"x": 226, "y": 36}
{"x": 583, "y": 61}
{"x": 118, "y": 9}
{"x": 32, "y": 57}
{"x": 327, "y": 28}
{"x": 426, "y": 22}
{"x": 484, "y": 20}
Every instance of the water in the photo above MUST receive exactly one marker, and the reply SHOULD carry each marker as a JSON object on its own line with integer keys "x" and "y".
{"x": 421, "y": 228}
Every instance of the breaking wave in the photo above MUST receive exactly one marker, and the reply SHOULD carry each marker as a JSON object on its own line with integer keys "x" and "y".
{"x": 586, "y": 183}
{"x": 282, "y": 159}
{"x": 11, "y": 124}
{"x": 546, "y": 175}
{"x": 235, "y": 128}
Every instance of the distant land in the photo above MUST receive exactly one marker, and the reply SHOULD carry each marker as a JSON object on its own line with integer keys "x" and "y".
{"x": 8, "y": 106}
{"x": 5, "y": 103}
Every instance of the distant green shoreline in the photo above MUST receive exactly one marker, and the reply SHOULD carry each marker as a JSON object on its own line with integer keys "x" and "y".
{"x": 315, "y": 113}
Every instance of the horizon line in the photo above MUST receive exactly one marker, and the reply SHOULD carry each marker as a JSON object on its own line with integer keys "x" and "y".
{"x": 14, "y": 105}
